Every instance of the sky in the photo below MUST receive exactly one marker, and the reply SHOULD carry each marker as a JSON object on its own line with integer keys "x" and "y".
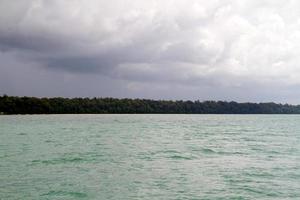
{"x": 233, "y": 50}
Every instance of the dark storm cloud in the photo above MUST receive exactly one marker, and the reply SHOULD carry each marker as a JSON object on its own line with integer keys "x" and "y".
{"x": 173, "y": 49}
{"x": 30, "y": 42}
{"x": 136, "y": 38}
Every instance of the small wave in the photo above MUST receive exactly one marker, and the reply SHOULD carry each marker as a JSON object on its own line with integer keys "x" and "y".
{"x": 65, "y": 193}
{"x": 258, "y": 191}
{"x": 252, "y": 190}
{"x": 173, "y": 154}
{"x": 64, "y": 160}
{"x": 180, "y": 157}
{"x": 165, "y": 152}
{"x": 207, "y": 150}
{"x": 58, "y": 161}
{"x": 49, "y": 141}
{"x": 260, "y": 174}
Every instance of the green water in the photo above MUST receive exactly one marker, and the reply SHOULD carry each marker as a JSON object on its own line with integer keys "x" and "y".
{"x": 150, "y": 157}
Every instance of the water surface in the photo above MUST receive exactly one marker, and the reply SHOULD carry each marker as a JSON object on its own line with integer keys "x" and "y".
{"x": 150, "y": 157}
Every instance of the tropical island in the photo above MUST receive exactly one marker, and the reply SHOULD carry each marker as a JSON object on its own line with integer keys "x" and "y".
{"x": 58, "y": 105}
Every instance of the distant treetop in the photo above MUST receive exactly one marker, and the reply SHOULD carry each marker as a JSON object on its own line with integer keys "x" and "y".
{"x": 58, "y": 105}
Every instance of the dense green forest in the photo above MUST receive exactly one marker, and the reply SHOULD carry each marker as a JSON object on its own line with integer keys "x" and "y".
{"x": 33, "y": 105}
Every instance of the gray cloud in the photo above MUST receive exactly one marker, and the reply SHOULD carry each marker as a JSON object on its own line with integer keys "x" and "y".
{"x": 240, "y": 50}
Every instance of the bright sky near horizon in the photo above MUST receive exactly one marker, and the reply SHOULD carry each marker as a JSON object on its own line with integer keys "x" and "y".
{"x": 241, "y": 50}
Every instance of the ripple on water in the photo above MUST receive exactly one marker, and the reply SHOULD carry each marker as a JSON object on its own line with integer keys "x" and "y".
{"x": 150, "y": 157}
{"x": 69, "y": 159}
{"x": 207, "y": 151}
{"x": 65, "y": 194}
{"x": 170, "y": 154}
{"x": 181, "y": 157}
{"x": 58, "y": 161}
{"x": 49, "y": 141}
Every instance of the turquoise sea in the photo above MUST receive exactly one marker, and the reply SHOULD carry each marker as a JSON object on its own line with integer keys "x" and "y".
{"x": 149, "y": 157}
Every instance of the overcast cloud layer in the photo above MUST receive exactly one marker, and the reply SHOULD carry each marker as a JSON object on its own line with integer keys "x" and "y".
{"x": 242, "y": 50}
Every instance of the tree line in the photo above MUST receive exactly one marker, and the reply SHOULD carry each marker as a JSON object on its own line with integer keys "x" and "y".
{"x": 58, "y": 105}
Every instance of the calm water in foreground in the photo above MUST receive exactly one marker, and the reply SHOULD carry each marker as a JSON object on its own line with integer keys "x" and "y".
{"x": 150, "y": 157}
